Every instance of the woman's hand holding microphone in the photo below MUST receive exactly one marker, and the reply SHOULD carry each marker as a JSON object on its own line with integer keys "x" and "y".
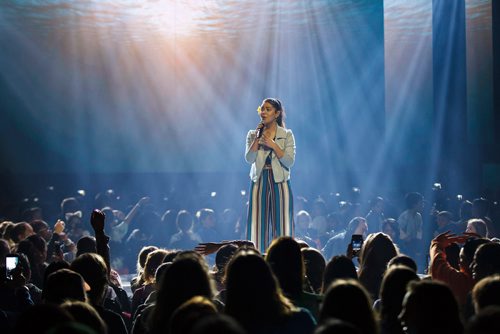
{"x": 259, "y": 131}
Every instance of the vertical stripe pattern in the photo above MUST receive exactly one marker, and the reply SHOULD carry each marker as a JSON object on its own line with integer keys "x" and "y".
{"x": 270, "y": 210}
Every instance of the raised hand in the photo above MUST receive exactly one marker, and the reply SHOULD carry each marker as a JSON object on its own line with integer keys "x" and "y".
{"x": 350, "y": 252}
{"x": 259, "y": 130}
{"x": 97, "y": 220}
{"x": 18, "y": 280}
{"x": 267, "y": 141}
{"x": 207, "y": 248}
{"x": 447, "y": 238}
{"x": 472, "y": 235}
{"x": 59, "y": 226}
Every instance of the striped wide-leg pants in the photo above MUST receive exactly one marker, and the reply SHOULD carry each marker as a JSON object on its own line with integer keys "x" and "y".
{"x": 270, "y": 210}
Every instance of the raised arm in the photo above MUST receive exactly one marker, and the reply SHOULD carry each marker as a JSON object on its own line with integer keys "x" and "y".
{"x": 133, "y": 212}
{"x": 119, "y": 231}
{"x": 102, "y": 240}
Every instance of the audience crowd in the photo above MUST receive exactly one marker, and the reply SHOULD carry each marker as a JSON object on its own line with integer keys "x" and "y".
{"x": 420, "y": 268}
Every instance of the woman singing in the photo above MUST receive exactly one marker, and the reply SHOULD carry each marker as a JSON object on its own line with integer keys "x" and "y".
{"x": 271, "y": 150}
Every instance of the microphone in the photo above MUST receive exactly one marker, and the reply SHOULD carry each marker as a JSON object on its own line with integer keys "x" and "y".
{"x": 260, "y": 130}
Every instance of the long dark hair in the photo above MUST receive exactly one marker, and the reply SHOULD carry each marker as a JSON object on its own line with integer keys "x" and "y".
{"x": 392, "y": 292}
{"x": 35, "y": 248}
{"x": 433, "y": 307}
{"x": 339, "y": 267}
{"x": 278, "y": 105}
{"x": 285, "y": 258}
{"x": 185, "y": 278}
{"x": 253, "y": 294}
{"x": 349, "y": 301}
{"x": 378, "y": 249}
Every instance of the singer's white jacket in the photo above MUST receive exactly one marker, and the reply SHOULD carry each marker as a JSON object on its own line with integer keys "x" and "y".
{"x": 281, "y": 167}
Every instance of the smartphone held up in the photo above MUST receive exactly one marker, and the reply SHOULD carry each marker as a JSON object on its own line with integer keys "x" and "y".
{"x": 11, "y": 262}
{"x": 356, "y": 244}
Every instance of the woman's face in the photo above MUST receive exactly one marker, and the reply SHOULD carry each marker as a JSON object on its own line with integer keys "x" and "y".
{"x": 268, "y": 114}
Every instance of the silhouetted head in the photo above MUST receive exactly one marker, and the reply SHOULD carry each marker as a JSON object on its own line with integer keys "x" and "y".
{"x": 6, "y": 228}
{"x": 480, "y": 207}
{"x": 185, "y": 278}
{"x": 172, "y": 254}
{"x": 465, "y": 210}
{"x": 153, "y": 261}
{"x": 486, "y": 292}
{"x": 86, "y": 244}
{"x": 403, "y": 260}
{"x": 286, "y": 261}
{"x": 339, "y": 267}
{"x": 21, "y": 231}
{"x": 348, "y": 300}
{"x": 206, "y": 217}
{"x": 334, "y": 221}
{"x": 486, "y": 261}
{"x": 430, "y": 307}
{"x": 149, "y": 223}
{"x": 377, "y": 204}
{"x": 390, "y": 227}
{"x": 376, "y": 252}
{"x": 63, "y": 285}
{"x": 142, "y": 256}
{"x": 35, "y": 248}
{"x": 85, "y": 314}
{"x": 414, "y": 201}
{"x": 443, "y": 218}
{"x": 70, "y": 204}
{"x": 319, "y": 207}
{"x": 193, "y": 310}
{"x": 487, "y": 321}
{"x": 184, "y": 221}
{"x": 160, "y": 271}
{"x": 223, "y": 256}
{"x": 392, "y": 292}
{"x": 315, "y": 267}
{"x": 253, "y": 295}
{"x": 95, "y": 273}
{"x": 302, "y": 220}
{"x": 31, "y": 214}
{"x": 42, "y": 229}
{"x": 52, "y": 268}
{"x": 357, "y": 225}
{"x": 168, "y": 222}
{"x": 468, "y": 250}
